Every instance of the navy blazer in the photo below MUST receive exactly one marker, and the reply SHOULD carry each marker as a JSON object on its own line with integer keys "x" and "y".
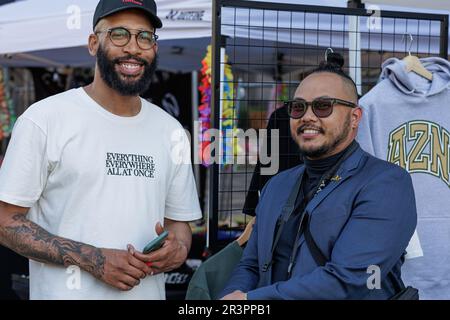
{"x": 361, "y": 221}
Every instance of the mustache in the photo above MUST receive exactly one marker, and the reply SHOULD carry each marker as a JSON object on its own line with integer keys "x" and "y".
{"x": 308, "y": 126}
{"x": 130, "y": 57}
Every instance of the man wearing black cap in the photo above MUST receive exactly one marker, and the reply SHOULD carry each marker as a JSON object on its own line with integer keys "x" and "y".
{"x": 90, "y": 174}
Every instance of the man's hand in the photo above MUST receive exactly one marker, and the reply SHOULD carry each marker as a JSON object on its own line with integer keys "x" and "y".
{"x": 115, "y": 267}
{"x": 122, "y": 270}
{"x": 236, "y": 295}
{"x": 170, "y": 256}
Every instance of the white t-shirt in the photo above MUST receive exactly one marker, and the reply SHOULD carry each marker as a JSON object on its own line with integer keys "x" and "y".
{"x": 101, "y": 179}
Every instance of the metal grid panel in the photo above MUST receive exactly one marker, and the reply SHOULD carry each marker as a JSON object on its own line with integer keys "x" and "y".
{"x": 276, "y": 45}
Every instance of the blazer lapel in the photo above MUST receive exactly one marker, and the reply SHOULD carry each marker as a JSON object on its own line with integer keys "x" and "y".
{"x": 347, "y": 169}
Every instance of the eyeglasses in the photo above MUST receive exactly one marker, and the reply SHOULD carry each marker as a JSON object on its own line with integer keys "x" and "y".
{"x": 121, "y": 36}
{"x": 321, "y": 107}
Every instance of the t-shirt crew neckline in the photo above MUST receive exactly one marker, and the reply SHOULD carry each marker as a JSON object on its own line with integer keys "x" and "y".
{"x": 110, "y": 115}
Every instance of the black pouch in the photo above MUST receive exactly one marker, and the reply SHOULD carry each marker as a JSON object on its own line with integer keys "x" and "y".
{"x": 409, "y": 293}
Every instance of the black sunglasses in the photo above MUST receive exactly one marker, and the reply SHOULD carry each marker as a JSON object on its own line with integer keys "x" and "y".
{"x": 121, "y": 36}
{"x": 321, "y": 107}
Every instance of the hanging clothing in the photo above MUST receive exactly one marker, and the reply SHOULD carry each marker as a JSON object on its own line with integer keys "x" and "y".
{"x": 406, "y": 121}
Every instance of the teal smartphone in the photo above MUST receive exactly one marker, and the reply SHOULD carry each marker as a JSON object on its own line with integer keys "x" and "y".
{"x": 156, "y": 243}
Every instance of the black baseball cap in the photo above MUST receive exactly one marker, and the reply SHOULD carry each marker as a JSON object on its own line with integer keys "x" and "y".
{"x": 108, "y": 7}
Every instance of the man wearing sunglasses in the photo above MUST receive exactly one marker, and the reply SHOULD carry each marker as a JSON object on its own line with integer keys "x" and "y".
{"x": 90, "y": 174}
{"x": 337, "y": 226}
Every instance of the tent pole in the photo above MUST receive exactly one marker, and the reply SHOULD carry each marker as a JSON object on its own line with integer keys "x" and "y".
{"x": 222, "y": 84}
{"x": 195, "y": 134}
{"x": 354, "y": 45}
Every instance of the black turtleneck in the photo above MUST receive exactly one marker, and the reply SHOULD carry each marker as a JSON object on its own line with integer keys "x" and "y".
{"x": 315, "y": 169}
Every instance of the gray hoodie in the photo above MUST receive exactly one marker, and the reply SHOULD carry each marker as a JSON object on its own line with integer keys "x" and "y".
{"x": 406, "y": 120}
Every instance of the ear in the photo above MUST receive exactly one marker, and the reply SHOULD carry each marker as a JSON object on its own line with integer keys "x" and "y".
{"x": 156, "y": 47}
{"x": 93, "y": 44}
{"x": 356, "y": 117}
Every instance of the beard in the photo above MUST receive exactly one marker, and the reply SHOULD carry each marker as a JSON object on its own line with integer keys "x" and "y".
{"x": 112, "y": 78}
{"x": 326, "y": 148}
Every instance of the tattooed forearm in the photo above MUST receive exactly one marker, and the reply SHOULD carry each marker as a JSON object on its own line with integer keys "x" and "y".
{"x": 33, "y": 242}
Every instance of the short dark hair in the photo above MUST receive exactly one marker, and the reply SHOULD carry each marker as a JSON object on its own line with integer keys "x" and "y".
{"x": 333, "y": 64}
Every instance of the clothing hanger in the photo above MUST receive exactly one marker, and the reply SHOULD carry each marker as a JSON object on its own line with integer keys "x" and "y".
{"x": 413, "y": 63}
{"x": 243, "y": 238}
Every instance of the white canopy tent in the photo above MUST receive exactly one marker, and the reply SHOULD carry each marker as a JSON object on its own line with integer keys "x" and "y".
{"x": 55, "y": 33}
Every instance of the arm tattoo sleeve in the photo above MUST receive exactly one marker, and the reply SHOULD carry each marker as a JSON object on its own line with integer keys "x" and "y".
{"x": 33, "y": 242}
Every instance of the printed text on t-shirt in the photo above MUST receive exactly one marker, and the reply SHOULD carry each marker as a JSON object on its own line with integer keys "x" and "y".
{"x": 118, "y": 164}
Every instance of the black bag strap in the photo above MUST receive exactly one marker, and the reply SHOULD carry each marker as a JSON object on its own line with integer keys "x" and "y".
{"x": 317, "y": 254}
{"x": 396, "y": 283}
{"x": 325, "y": 179}
{"x": 288, "y": 209}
